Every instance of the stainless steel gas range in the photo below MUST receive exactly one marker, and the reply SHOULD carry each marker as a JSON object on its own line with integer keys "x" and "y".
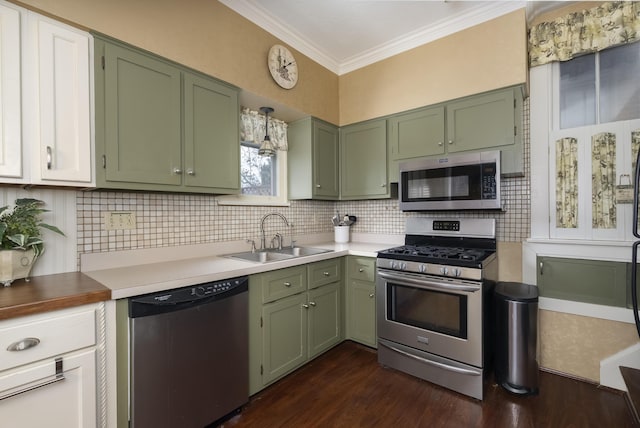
{"x": 434, "y": 302}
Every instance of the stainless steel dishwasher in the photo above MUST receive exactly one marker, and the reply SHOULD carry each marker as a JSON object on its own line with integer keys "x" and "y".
{"x": 189, "y": 354}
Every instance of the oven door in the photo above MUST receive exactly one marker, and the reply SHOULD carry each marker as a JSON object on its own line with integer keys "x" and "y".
{"x": 441, "y": 316}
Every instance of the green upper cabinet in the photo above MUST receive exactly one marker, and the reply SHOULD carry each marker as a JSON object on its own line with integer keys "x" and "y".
{"x": 163, "y": 127}
{"x": 481, "y": 122}
{"x": 489, "y": 121}
{"x": 363, "y": 160}
{"x": 415, "y": 134}
{"x": 313, "y": 160}
{"x": 211, "y": 148}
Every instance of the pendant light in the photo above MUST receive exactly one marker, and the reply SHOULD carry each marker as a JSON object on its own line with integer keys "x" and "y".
{"x": 266, "y": 148}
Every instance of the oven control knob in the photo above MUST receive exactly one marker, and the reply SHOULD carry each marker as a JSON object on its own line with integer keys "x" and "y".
{"x": 403, "y": 265}
{"x": 457, "y": 272}
{"x": 422, "y": 269}
{"x": 200, "y": 291}
{"x": 394, "y": 265}
{"x": 444, "y": 270}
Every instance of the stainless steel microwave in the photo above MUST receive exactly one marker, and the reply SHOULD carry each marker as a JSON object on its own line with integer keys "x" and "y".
{"x": 458, "y": 182}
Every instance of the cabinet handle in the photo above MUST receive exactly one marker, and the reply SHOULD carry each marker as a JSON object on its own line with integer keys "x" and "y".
{"x": 287, "y": 284}
{"x": 360, "y": 270}
{"x": 191, "y": 172}
{"x": 24, "y": 344}
{"x": 49, "y": 157}
{"x": 57, "y": 377}
{"x": 304, "y": 305}
{"x": 383, "y": 185}
{"x": 541, "y": 270}
{"x": 440, "y": 143}
{"x": 371, "y": 295}
{"x": 177, "y": 171}
{"x": 318, "y": 186}
{"x": 450, "y": 142}
{"x": 325, "y": 273}
{"x": 312, "y": 303}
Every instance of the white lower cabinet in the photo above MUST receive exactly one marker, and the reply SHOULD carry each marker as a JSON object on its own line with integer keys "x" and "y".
{"x": 49, "y": 369}
{"x": 34, "y": 396}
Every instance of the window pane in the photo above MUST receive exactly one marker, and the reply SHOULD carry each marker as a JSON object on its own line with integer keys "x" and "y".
{"x": 257, "y": 173}
{"x": 578, "y": 92}
{"x": 619, "y": 89}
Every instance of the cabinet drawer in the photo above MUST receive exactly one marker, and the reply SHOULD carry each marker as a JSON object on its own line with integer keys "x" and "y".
{"x": 325, "y": 272}
{"x": 362, "y": 268}
{"x": 53, "y": 336}
{"x": 282, "y": 283}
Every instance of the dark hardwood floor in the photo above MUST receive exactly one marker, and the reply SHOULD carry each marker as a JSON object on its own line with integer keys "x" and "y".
{"x": 346, "y": 387}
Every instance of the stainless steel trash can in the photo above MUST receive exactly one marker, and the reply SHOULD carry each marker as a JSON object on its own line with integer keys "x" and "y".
{"x": 516, "y": 337}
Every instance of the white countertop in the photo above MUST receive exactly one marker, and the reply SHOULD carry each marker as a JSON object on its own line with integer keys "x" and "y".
{"x": 136, "y": 272}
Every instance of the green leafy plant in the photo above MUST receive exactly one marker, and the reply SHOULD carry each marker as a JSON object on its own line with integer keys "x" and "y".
{"x": 20, "y": 226}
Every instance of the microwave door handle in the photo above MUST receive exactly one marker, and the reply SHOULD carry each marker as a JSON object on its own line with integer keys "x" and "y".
{"x": 424, "y": 283}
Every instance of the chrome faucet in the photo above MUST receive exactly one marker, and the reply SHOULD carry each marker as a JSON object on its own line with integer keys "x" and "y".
{"x": 263, "y": 241}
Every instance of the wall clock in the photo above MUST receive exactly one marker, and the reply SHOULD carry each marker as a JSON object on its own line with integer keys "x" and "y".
{"x": 282, "y": 66}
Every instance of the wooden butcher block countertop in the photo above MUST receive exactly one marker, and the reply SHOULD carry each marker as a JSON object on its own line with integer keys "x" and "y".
{"x": 50, "y": 292}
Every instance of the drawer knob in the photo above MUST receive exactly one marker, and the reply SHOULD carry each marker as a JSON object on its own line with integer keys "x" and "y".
{"x": 287, "y": 284}
{"x": 371, "y": 295}
{"x": 325, "y": 273}
{"x": 360, "y": 270}
{"x": 24, "y": 344}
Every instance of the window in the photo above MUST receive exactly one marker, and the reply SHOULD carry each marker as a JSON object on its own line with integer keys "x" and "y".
{"x": 600, "y": 88}
{"x": 263, "y": 180}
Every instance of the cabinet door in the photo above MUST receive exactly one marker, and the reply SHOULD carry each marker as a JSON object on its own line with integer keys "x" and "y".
{"x": 361, "y": 309}
{"x": 590, "y": 281}
{"x": 417, "y": 133}
{"x": 364, "y": 160}
{"x": 10, "y": 99}
{"x": 481, "y": 122}
{"x": 324, "y": 318}
{"x": 142, "y": 118}
{"x": 63, "y": 108}
{"x": 211, "y": 132}
{"x": 325, "y": 161}
{"x": 284, "y": 336}
{"x": 67, "y": 403}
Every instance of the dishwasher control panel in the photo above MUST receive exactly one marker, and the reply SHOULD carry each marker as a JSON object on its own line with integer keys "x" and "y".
{"x": 150, "y": 304}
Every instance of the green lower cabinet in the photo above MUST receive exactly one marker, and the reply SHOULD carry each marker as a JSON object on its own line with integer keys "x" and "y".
{"x": 292, "y": 319}
{"x": 590, "y": 281}
{"x": 361, "y": 300}
{"x": 324, "y": 318}
{"x": 285, "y": 336}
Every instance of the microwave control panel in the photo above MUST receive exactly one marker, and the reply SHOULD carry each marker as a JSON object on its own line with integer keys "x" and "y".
{"x": 489, "y": 190}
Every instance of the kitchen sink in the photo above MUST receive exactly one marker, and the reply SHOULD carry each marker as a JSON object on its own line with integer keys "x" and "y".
{"x": 273, "y": 255}
{"x": 302, "y": 251}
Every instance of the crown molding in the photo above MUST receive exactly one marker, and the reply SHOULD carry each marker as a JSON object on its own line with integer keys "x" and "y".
{"x": 254, "y": 12}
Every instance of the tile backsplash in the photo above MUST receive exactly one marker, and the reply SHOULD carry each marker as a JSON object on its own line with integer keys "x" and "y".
{"x": 165, "y": 220}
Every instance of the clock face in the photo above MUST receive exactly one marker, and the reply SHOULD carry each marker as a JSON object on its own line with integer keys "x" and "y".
{"x": 282, "y": 66}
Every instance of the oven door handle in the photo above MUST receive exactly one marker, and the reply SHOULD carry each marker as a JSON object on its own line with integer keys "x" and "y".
{"x": 426, "y": 284}
{"x": 443, "y": 366}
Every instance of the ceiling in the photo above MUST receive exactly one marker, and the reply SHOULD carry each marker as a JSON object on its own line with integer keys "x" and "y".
{"x": 344, "y": 35}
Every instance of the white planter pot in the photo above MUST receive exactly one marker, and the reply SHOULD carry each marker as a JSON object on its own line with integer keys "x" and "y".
{"x": 15, "y": 264}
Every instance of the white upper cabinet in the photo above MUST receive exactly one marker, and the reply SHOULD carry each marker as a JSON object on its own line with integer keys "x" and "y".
{"x": 61, "y": 76}
{"x": 48, "y": 67}
{"x": 10, "y": 102}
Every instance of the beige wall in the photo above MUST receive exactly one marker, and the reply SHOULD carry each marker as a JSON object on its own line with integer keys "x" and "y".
{"x": 576, "y": 344}
{"x": 487, "y": 56}
{"x": 207, "y": 36}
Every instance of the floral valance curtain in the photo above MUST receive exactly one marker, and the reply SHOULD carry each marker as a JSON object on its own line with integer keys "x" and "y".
{"x": 608, "y": 25}
{"x": 252, "y": 128}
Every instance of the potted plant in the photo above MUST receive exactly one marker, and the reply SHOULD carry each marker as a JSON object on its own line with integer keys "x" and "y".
{"x": 20, "y": 238}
